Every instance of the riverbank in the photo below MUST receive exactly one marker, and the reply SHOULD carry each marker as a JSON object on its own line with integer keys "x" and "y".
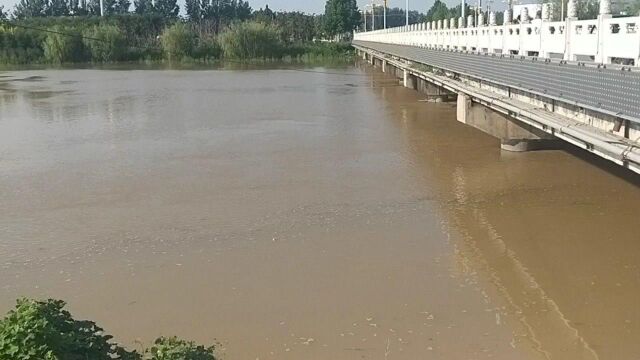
{"x": 135, "y": 38}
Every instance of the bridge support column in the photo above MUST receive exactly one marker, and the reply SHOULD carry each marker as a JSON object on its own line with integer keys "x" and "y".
{"x": 513, "y": 135}
{"x": 434, "y": 92}
{"x": 384, "y": 65}
{"x": 409, "y": 80}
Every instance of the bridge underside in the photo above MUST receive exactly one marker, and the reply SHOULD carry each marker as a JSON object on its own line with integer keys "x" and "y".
{"x": 523, "y": 119}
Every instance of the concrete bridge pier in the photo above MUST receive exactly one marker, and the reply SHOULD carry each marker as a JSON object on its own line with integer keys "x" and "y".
{"x": 513, "y": 135}
{"x": 409, "y": 80}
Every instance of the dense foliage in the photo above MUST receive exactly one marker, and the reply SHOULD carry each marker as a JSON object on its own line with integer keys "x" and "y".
{"x": 633, "y": 8}
{"x": 175, "y": 349}
{"x": 43, "y": 330}
{"x": 63, "y": 31}
{"x": 341, "y": 17}
{"x": 63, "y": 45}
{"x": 251, "y": 40}
{"x": 178, "y": 41}
{"x": 105, "y": 43}
{"x": 395, "y": 17}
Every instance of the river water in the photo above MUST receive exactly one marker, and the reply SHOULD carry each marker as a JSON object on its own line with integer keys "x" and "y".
{"x": 316, "y": 214}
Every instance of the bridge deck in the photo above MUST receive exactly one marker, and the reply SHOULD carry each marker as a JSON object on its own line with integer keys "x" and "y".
{"x": 613, "y": 91}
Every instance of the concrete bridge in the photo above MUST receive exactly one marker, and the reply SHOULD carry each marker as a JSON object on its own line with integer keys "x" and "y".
{"x": 531, "y": 84}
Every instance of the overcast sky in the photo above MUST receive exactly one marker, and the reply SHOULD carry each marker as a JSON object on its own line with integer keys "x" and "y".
{"x": 309, "y": 6}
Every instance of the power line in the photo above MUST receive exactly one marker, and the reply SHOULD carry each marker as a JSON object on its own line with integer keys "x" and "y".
{"x": 11, "y": 23}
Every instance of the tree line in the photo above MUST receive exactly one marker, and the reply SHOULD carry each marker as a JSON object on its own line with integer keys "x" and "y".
{"x": 59, "y": 31}
{"x": 341, "y": 16}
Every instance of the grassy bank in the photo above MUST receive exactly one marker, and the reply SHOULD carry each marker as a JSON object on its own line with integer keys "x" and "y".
{"x": 149, "y": 38}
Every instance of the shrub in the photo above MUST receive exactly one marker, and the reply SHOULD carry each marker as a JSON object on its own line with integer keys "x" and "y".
{"x": 175, "y": 349}
{"x": 105, "y": 43}
{"x": 177, "y": 41}
{"x": 207, "y": 48}
{"x": 251, "y": 40}
{"x": 63, "y": 45}
{"x": 43, "y": 330}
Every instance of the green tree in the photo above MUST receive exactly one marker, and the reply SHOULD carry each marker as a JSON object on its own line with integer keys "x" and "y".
{"x": 143, "y": 6}
{"x": 93, "y": 7}
{"x": 193, "y": 10}
{"x": 178, "y": 41}
{"x": 243, "y": 10}
{"x": 63, "y": 45}
{"x": 438, "y": 11}
{"x": 454, "y": 12}
{"x": 295, "y": 26}
{"x": 251, "y": 40}
{"x": 167, "y": 8}
{"x": 105, "y": 43}
{"x": 588, "y": 9}
{"x": 57, "y": 8}
{"x": 121, "y": 6}
{"x": 341, "y": 17}
{"x": 30, "y": 8}
{"x": 633, "y": 8}
{"x": 395, "y": 17}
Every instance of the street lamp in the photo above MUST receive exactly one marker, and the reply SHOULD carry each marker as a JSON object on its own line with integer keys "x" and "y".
{"x": 385, "y": 14}
{"x": 365, "y": 18}
{"x": 463, "y": 8}
{"x": 407, "y": 13}
{"x": 373, "y": 16}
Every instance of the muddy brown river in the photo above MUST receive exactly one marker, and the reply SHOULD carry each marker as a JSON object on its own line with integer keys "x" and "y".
{"x": 316, "y": 214}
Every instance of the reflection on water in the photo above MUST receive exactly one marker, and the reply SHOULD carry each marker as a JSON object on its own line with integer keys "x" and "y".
{"x": 302, "y": 214}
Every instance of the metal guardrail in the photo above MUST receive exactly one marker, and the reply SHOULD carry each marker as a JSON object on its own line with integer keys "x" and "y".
{"x": 610, "y": 91}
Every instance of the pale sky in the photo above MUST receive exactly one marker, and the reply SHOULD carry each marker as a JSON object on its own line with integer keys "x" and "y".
{"x": 309, "y": 6}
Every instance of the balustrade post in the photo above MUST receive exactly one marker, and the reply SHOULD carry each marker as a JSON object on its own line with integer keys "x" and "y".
{"x": 546, "y": 13}
{"x": 572, "y": 10}
{"x": 524, "y": 16}
{"x": 603, "y": 16}
{"x": 605, "y": 7}
{"x": 508, "y": 14}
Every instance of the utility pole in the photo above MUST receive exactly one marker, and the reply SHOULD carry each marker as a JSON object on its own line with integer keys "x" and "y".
{"x": 407, "y": 13}
{"x": 373, "y": 16}
{"x": 462, "y": 10}
{"x": 385, "y": 14}
{"x": 101, "y": 8}
{"x": 365, "y": 18}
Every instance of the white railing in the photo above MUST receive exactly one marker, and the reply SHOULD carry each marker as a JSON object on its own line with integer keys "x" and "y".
{"x": 604, "y": 40}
